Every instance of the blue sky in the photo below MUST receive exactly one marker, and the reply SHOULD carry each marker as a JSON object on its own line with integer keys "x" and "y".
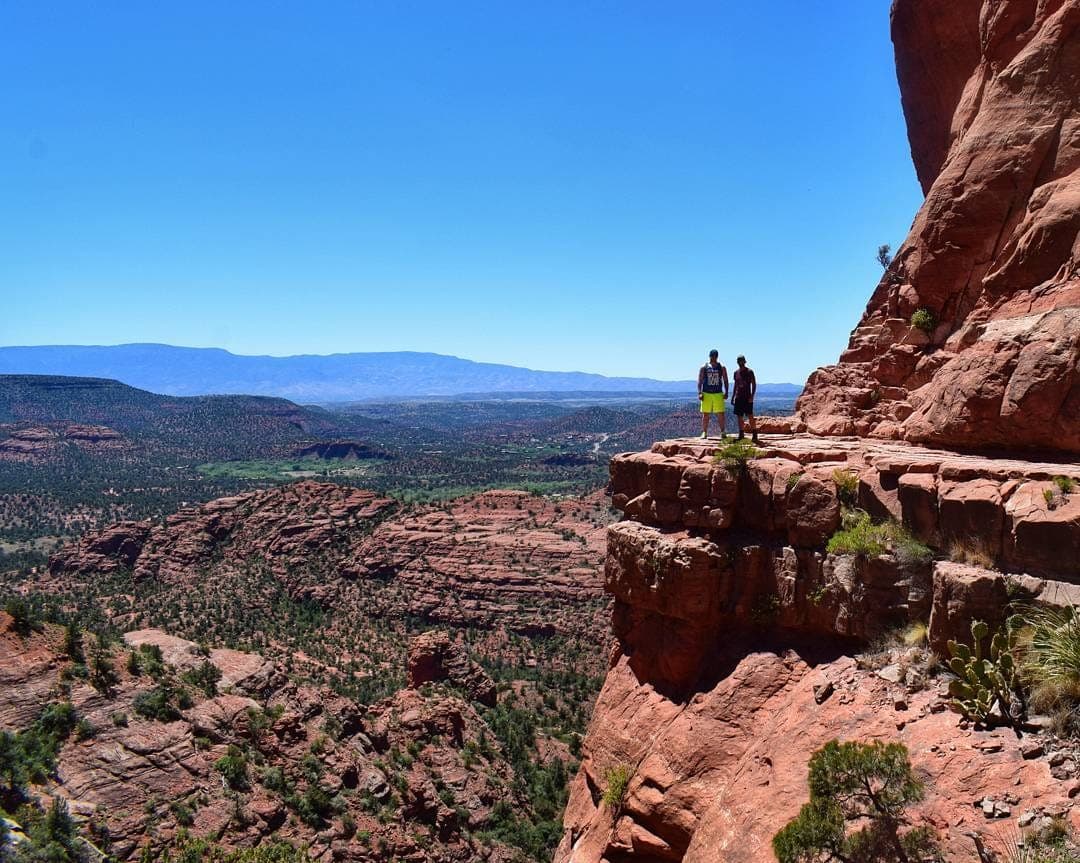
{"x": 602, "y": 186}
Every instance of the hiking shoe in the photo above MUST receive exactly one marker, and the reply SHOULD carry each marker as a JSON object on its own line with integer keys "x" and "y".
{"x": 755, "y": 439}
{"x": 704, "y": 435}
{"x": 740, "y": 437}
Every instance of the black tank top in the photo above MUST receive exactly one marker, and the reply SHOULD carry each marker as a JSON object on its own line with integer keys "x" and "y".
{"x": 711, "y": 382}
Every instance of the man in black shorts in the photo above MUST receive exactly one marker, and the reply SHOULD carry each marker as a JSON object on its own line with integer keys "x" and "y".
{"x": 743, "y": 392}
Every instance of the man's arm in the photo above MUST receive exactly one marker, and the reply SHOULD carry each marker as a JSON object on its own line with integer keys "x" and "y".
{"x": 753, "y": 385}
{"x": 700, "y": 380}
{"x": 724, "y": 380}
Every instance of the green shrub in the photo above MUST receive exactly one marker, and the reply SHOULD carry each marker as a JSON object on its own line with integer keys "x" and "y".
{"x": 205, "y": 676}
{"x": 847, "y": 486}
{"x": 85, "y": 730}
{"x": 616, "y": 780}
{"x": 735, "y": 454}
{"x": 23, "y": 620}
{"x": 1048, "y": 496}
{"x": 923, "y": 319}
{"x": 857, "y": 535}
{"x": 156, "y": 703}
{"x": 233, "y": 767}
{"x": 103, "y": 676}
{"x": 986, "y": 687}
{"x": 73, "y": 643}
{"x": 860, "y": 536}
{"x": 869, "y": 784}
{"x": 29, "y": 756}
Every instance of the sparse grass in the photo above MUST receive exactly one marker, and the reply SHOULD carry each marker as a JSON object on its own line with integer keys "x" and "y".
{"x": 1065, "y": 484}
{"x": 1050, "y": 844}
{"x": 1048, "y": 496}
{"x": 907, "y": 648}
{"x": 1051, "y": 657}
{"x": 616, "y": 780}
{"x": 847, "y": 486}
{"x": 971, "y": 552}
{"x": 915, "y": 635}
{"x": 793, "y": 480}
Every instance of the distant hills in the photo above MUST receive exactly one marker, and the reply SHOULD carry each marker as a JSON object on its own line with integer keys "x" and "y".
{"x": 202, "y": 427}
{"x": 180, "y": 371}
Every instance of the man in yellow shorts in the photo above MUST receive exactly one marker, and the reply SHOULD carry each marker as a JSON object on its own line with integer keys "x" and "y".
{"x": 712, "y": 390}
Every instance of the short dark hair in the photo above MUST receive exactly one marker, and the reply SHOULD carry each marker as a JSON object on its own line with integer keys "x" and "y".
{"x": 740, "y": 359}
{"x": 714, "y": 353}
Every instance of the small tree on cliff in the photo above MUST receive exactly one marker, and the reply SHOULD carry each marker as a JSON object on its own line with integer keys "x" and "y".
{"x": 884, "y": 255}
{"x": 870, "y": 783}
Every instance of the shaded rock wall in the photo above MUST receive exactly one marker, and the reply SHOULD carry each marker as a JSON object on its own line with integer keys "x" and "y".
{"x": 991, "y": 92}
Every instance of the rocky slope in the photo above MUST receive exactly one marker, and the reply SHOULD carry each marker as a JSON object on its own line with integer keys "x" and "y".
{"x": 414, "y": 776}
{"x": 503, "y": 559}
{"x": 742, "y": 644}
{"x": 991, "y": 92}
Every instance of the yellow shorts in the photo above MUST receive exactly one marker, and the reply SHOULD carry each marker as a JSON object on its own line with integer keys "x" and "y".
{"x": 712, "y": 403}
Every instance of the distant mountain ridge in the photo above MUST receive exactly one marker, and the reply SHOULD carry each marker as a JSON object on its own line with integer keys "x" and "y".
{"x": 311, "y": 378}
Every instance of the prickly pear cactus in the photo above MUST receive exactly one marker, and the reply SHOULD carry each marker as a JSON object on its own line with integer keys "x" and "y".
{"x": 986, "y": 689}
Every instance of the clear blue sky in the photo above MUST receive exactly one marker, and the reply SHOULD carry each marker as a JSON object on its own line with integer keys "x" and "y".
{"x": 600, "y": 186}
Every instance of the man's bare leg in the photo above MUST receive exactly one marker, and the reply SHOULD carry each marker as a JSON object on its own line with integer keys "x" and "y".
{"x": 753, "y": 429}
{"x": 704, "y": 425}
{"x": 723, "y": 425}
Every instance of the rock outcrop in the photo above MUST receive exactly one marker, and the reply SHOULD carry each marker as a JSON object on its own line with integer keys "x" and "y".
{"x": 737, "y": 633}
{"x": 435, "y": 657}
{"x": 991, "y": 92}
{"x": 280, "y": 526}
{"x": 503, "y": 559}
{"x": 412, "y": 776}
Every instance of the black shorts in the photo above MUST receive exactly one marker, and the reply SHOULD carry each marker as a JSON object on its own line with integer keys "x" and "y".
{"x": 743, "y": 407}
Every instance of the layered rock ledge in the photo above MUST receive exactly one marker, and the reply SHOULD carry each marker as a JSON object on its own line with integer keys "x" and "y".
{"x": 731, "y": 619}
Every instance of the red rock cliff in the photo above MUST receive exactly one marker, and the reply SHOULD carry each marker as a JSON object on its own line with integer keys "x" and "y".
{"x": 991, "y": 92}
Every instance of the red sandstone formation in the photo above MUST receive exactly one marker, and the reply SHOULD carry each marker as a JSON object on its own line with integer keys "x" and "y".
{"x": 280, "y": 525}
{"x": 434, "y": 657}
{"x": 143, "y": 779}
{"x": 38, "y": 443}
{"x": 990, "y": 92}
{"x": 732, "y": 619}
{"x": 503, "y": 558}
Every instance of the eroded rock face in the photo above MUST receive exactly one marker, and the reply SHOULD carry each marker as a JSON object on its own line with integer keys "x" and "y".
{"x": 500, "y": 559}
{"x": 144, "y": 780}
{"x": 714, "y": 776}
{"x": 737, "y": 631}
{"x": 434, "y": 657}
{"x": 990, "y": 91}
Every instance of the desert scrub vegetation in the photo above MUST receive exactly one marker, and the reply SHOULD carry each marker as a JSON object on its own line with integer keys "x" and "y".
{"x": 847, "y": 486}
{"x": 29, "y": 756}
{"x": 616, "y": 780}
{"x": 185, "y": 849}
{"x": 1050, "y": 660}
{"x": 907, "y": 648}
{"x": 971, "y": 552}
{"x": 923, "y": 319}
{"x": 987, "y": 688}
{"x": 859, "y": 535}
{"x": 856, "y": 813}
{"x": 735, "y": 454}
